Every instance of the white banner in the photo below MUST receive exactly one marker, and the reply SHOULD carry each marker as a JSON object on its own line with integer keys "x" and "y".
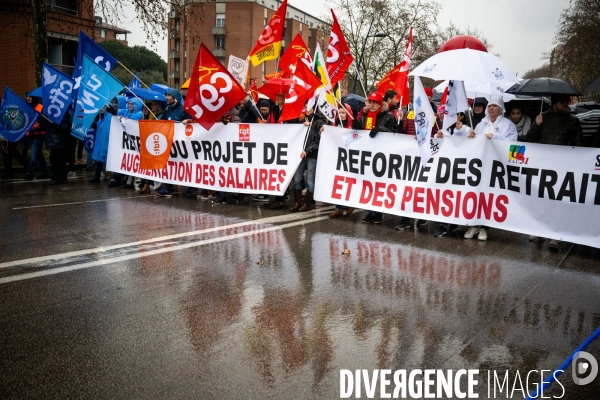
{"x": 543, "y": 190}
{"x": 241, "y": 158}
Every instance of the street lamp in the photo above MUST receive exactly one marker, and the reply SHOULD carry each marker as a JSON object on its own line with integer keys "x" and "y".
{"x": 379, "y": 35}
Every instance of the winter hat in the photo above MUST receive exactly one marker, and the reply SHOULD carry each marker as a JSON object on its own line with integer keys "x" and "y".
{"x": 497, "y": 100}
{"x": 556, "y": 97}
{"x": 480, "y": 100}
{"x": 376, "y": 97}
{"x": 264, "y": 103}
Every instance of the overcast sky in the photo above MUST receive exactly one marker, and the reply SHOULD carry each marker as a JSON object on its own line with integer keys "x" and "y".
{"x": 519, "y": 30}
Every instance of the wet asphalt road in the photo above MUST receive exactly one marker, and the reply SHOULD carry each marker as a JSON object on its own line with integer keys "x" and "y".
{"x": 108, "y": 294}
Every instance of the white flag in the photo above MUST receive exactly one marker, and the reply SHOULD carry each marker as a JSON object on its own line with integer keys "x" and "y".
{"x": 424, "y": 120}
{"x": 456, "y": 102}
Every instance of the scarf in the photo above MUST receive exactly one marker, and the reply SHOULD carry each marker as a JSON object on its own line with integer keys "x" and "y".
{"x": 371, "y": 120}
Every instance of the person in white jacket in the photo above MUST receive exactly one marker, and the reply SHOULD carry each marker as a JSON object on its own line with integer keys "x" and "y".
{"x": 494, "y": 126}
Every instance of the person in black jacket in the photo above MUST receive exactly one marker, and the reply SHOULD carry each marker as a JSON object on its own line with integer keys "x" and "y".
{"x": 375, "y": 118}
{"x": 58, "y": 140}
{"x": 309, "y": 162}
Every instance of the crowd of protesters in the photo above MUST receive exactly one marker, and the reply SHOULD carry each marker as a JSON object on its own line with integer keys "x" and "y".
{"x": 380, "y": 115}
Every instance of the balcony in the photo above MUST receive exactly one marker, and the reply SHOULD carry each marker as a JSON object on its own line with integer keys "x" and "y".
{"x": 174, "y": 54}
{"x": 219, "y": 52}
{"x": 218, "y": 30}
{"x": 173, "y": 74}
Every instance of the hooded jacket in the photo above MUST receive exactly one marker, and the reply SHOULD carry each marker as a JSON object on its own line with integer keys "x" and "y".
{"x": 122, "y": 111}
{"x": 176, "y": 112}
{"x": 556, "y": 128}
{"x": 138, "y": 113}
{"x": 502, "y": 129}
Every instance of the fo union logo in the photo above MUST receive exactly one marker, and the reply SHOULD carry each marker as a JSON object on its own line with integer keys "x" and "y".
{"x": 244, "y": 132}
{"x": 156, "y": 144}
{"x": 516, "y": 154}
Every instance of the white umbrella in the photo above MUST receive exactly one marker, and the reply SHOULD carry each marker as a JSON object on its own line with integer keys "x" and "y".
{"x": 466, "y": 65}
{"x": 486, "y": 90}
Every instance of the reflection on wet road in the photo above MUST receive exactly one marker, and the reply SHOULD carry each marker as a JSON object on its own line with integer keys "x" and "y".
{"x": 155, "y": 298}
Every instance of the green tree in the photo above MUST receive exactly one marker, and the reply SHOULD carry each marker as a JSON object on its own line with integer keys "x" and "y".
{"x": 136, "y": 58}
{"x": 576, "y": 57}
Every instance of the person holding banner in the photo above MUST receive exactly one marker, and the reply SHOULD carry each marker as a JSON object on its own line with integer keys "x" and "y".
{"x": 37, "y": 137}
{"x": 494, "y": 126}
{"x": 345, "y": 117}
{"x": 376, "y": 118}
{"x": 58, "y": 140}
{"x": 309, "y": 162}
{"x": 391, "y": 98}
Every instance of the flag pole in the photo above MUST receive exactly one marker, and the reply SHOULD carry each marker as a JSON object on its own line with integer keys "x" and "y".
{"x": 127, "y": 69}
{"x": 400, "y": 108}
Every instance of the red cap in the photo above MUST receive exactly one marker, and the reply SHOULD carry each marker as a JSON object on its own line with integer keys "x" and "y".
{"x": 376, "y": 97}
{"x": 428, "y": 92}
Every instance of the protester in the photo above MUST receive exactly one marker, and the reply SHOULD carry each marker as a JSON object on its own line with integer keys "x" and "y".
{"x": 37, "y": 137}
{"x": 58, "y": 140}
{"x": 521, "y": 121}
{"x": 375, "y": 118}
{"x": 309, "y": 162}
{"x": 391, "y": 98}
{"x": 264, "y": 107}
{"x": 556, "y": 126}
{"x": 493, "y": 126}
{"x": 175, "y": 112}
{"x": 479, "y": 108}
{"x": 345, "y": 116}
{"x": 275, "y": 111}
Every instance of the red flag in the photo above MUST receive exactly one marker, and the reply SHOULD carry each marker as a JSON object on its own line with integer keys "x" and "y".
{"x": 297, "y": 50}
{"x": 253, "y": 91}
{"x": 268, "y": 46}
{"x": 444, "y": 96}
{"x": 339, "y": 57}
{"x": 213, "y": 90}
{"x": 304, "y": 84}
{"x": 389, "y": 80}
{"x": 156, "y": 139}
{"x": 402, "y": 78}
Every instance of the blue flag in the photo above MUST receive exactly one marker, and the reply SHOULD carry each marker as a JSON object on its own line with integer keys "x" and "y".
{"x": 98, "y": 87}
{"x": 87, "y": 46}
{"x": 16, "y": 116}
{"x": 90, "y": 140}
{"x": 135, "y": 82}
{"x": 57, "y": 92}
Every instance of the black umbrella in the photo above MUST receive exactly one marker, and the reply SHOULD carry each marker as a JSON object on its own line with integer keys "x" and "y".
{"x": 355, "y": 102}
{"x": 543, "y": 87}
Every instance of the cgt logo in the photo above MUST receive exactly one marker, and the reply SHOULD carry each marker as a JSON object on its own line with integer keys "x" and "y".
{"x": 516, "y": 154}
{"x": 585, "y": 368}
{"x": 598, "y": 163}
{"x": 244, "y": 132}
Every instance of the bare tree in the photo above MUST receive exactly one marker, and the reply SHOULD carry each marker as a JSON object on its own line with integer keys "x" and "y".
{"x": 576, "y": 57}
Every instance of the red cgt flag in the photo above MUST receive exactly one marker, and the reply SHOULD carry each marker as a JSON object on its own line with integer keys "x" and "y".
{"x": 213, "y": 90}
{"x": 389, "y": 80}
{"x": 304, "y": 84}
{"x": 297, "y": 50}
{"x": 268, "y": 46}
{"x": 156, "y": 139}
{"x": 339, "y": 57}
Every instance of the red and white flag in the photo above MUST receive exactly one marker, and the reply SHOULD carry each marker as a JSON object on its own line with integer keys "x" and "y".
{"x": 304, "y": 84}
{"x": 213, "y": 90}
{"x": 296, "y": 51}
{"x": 339, "y": 57}
{"x": 402, "y": 77}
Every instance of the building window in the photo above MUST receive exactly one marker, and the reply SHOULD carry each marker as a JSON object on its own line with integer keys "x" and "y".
{"x": 176, "y": 44}
{"x": 220, "y": 42}
{"x": 177, "y": 25}
{"x": 220, "y": 20}
{"x": 102, "y": 33}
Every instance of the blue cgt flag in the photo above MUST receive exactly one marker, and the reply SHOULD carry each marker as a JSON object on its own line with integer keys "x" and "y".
{"x": 98, "y": 87}
{"x": 16, "y": 116}
{"x": 88, "y": 47}
{"x": 57, "y": 92}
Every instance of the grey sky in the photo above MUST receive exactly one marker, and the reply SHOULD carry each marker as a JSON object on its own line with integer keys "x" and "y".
{"x": 520, "y": 30}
